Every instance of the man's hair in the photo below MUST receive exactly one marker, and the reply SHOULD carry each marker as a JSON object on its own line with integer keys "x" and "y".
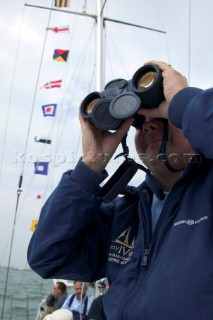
{"x": 83, "y": 284}
{"x": 62, "y": 286}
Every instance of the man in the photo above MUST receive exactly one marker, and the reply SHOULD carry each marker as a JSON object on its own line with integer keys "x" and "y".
{"x": 79, "y": 302}
{"x": 155, "y": 243}
{"x": 56, "y": 298}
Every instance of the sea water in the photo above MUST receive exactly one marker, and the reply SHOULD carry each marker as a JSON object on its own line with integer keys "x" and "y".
{"x": 24, "y": 291}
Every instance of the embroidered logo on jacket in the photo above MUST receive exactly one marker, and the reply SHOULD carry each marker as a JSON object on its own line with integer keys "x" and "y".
{"x": 121, "y": 248}
{"x": 190, "y": 222}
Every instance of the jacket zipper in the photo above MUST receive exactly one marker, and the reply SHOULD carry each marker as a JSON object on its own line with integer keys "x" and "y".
{"x": 145, "y": 258}
{"x": 146, "y": 228}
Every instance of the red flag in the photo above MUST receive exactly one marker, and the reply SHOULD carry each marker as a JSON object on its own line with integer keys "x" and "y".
{"x": 59, "y": 29}
{"x": 52, "y": 84}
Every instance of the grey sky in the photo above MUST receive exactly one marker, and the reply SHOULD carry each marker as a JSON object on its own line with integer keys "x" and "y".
{"x": 127, "y": 49}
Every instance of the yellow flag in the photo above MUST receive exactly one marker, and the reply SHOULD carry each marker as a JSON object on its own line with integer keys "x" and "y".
{"x": 62, "y": 3}
{"x": 33, "y": 225}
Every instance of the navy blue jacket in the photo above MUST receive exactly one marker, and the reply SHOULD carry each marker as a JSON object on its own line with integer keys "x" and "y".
{"x": 167, "y": 275}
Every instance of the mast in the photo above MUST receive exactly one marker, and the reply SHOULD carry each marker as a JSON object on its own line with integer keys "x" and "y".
{"x": 99, "y": 47}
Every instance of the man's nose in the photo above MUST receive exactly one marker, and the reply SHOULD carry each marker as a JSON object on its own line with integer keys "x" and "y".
{"x": 151, "y": 125}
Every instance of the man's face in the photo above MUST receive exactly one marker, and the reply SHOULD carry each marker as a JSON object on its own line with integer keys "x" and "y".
{"x": 56, "y": 291}
{"x": 78, "y": 288}
{"x": 148, "y": 141}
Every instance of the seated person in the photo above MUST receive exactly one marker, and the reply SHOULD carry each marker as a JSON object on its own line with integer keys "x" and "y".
{"x": 56, "y": 298}
{"x": 79, "y": 302}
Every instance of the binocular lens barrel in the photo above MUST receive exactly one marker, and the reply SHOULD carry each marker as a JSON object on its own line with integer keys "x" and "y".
{"x": 146, "y": 80}
{"x": 90, "y": 106}
{"x": 89, "y": 103}
{"x": 147, "y": 83}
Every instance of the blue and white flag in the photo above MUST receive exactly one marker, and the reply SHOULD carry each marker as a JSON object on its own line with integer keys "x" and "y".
{"x": 49, "y": 110}
{"x": 41, "y": 168}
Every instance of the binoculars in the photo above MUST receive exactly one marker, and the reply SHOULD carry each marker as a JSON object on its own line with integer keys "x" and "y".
{"x": 121, "y": 99}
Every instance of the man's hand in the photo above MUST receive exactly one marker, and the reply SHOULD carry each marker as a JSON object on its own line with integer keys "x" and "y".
{"x": 99, "y": 146}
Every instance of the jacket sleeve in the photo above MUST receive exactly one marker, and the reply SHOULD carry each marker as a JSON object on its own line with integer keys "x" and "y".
{"x": 72, "y": 235}
{"x": 60, "y": 301}
{"x": 192, "y": 111}
{"x": 96, "y": 310}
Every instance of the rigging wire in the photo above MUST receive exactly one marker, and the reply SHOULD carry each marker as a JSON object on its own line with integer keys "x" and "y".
{"x": 80, "y": 62}
{"x": 1, "y": 164}
{"x": 102, "y": 9}
{"x": 109, "y": 58}
{"x": 11, "y": 93}
{"x": 119, "y": 56}
{"x": 19, "y": 190}
{"x": 84, "y": 6}
{"x": 51, "y": 175}
{"x": 84, "y": 53}
{"x": 24, "y": 199}
{"x": 10, "y": 252}
{"x": 92, "y": 78}
{"x": 163, "y": 27}
{"x": 57, "y": 143}
{"x": 66, "y": 75}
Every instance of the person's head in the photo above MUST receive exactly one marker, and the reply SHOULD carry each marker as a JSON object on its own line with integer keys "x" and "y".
{"x": 80, "y": 288}
{"x": 148, "y": 141}
{"x": 59, "y": 288}
{"x": 60, "y": 314}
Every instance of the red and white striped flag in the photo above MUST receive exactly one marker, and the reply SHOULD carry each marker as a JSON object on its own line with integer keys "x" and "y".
{"x": 52, "y": 84}
{"x": 59, "y": 29}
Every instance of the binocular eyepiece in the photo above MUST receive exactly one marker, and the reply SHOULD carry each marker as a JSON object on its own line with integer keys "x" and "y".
{"x": 121, "y": 99}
